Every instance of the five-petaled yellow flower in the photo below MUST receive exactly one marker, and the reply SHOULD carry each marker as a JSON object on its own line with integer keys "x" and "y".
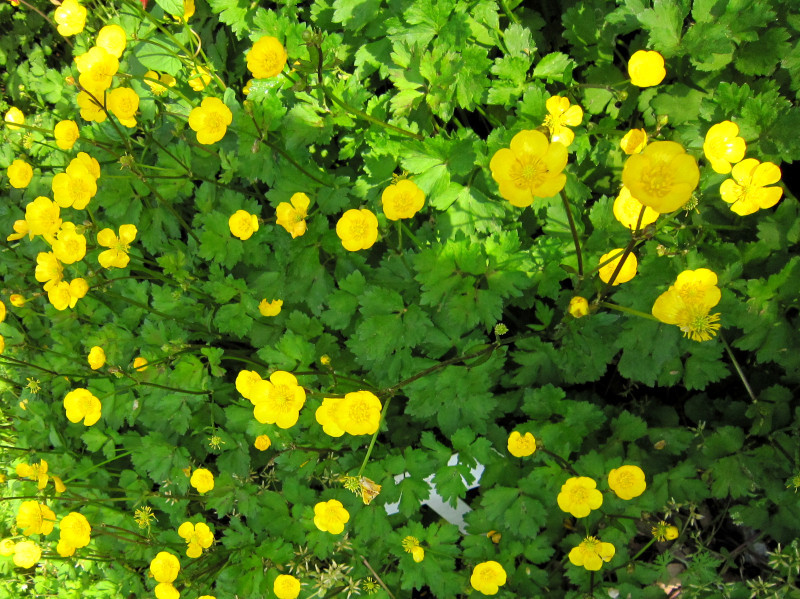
{"x": 591, "y": 553}
{"x": 197, "y": 536}
{"x": 579, "y": 496}
{"x": 627, "y": 481}
{"x": 520, "y": 445}
{"x": 625, "y": 274}
{"x": 70, "y": 245}
{"x": 43, "y": 217}
{"x": 561, "y": 116}
{"x": 123, "y": 103}
{"x": 662, "y": 177}
{"x": 262, "y": 442}
{"x": 35, "y": 518}
{"x": 687, "y": 304}
{"x": 358, "y": 229}
{"x": 279, "y": 400}
{"x": 488, "y": 577}
{"x": 357, "y": 413}
{"x": 627, "y": 209}
{"x": 66, "y": 134}
{"x": 330, "y": 516}
{"x": 243, "y": 224}
{"x": 210, "y": 120}
{"x": 75, "y": 532}
{"x": 286, "y": 586}
{"x": 65, "y": 295}
{"x": 723, "y": 146}
{"x": 202, "y": 480}
{"x": 20, "y": 174}
{"x": 117, "y": 254}
{"x": 646, "y": 68}
{"x": 748, "y": 191}
{"x": 80, "y": 404}
{"x": 266, "y": 58}
{"x": 112, "y": 39}
{"x": 402, "y": 200}
{"x": 26, "y": 554}
{"x": 291, "y": 215}
{"x": 70, "y": 18}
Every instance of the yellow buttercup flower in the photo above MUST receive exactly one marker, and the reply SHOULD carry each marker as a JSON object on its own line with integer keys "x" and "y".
{"x": 197, "y": 536}
{"x": 26, "y": 554}
{"x": 75, "y": 187}
{"x": 36, "y": 471}
{"x": 411, "y": 545}
{"x": 203, "y": 481}
{"x": 280, "y": 400}
{"x": 488, "y": 577}
{"x": 112, "y": 39}
{"x": 723, "y": 146}
{"x": 165, "y": 567}
{"x": 17, "y": 300}
{"x": 70, "y": 18}
{"x": 357, "y": 413}
{"x": 7, "y": 547}
{"x": 291, "y": 215}
{"x": 330, "y": 516}
{"x": 627, "y": 481}
{"x": 35, "y": 518}
{"x": 75, "y": 532}
{"x": 14, "y": 117}
{"x": 665, "y": 532}
{"x": 166, "y": 590}
{"x": 80, "y": 404}
{"x": 96, "y": 358}
{"x": 66, "y": 134}
{"x": 188, "y": 9}
{"x": 21, "y": 229}
{"x": 97, "y": 69}
{"x": 272, "y": 308}
{"x": 123, "y": 103}
{"x": 662, "y": 177}
{"x": 210, "y": 120}
{"x": 262, "y": 442}
{"x": 2, "y": 311}
{"x": 43, "y": 217}
{"x": 248, "y": 383}
{"x": 520, "y": 445}
{"x": 166, "y": 80}
{"x": 402, "y": 200}
{"x": 117, "y": 255}
{"x": 65, "y": 295}
{"x": 748, "y": 191}
{"x": 199, "y": 78}
{"x": 140, "y": 364}
{"x": 19, "y": 174}
{"x": 358, "y": 229}
{"x": 634, "y": 141}
{"x": 92, "y": 106}
{"x": 626, "y": 273}
{"x": 69, "y": 246}
{"x": 627, "y": 209}
{"x": 530, "y": 168}
{"x": 561, "y": 116}
{"x": 286, "y": 587}
{"x": 266, "y": 58}
{"x": 48, "y": 270}
{"x": 579, "y": 496}
{"x": 591, "y": 553}
{"x": 687, "y": 304}
{"x": 243, "y": 224}
{"x": 646, "y": 68}
{"x": 578, "y": 307}
{"x": 91, "y": 164}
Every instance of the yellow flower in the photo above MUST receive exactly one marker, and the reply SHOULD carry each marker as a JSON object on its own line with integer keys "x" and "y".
{"x": 488, "y": 577}
{"x": 2, "y": 311}
{"x": 203, "y": 481}
{"x": 166, "y": 590}
{"x": 35, "y": 518}
{"x": 662, "y": 177}
{"x": 158, "y": 89}
{"x": 579, "y": 496}
{"x": 65, "y": 295}
{"x": 69, "y": 246}
{"x": 210, "y": 120}
{"x": 97, "y": 357}
{"x": 123, "y": 103}
{"x": 291, "y": 216}
{"x": 97, "y": 69}
{"x": 117, "y": 255}
{"x": 272, "y": 308}
{"x": 199, "y": 78}
{"x": 140, "y": 364}
{"x": 188, "y": 9}
{"x": 357, "y": 413}
{"x": 665, "y": 532}
{"x": 197, "y": 536}
{"x": 243, "y": 224}
{"x": 626, "y": 273}
{"x": 262, "y": 442}
{"x": 80, "y": 404}
{"x": 562, "y": 116}
{"x": 70, "y": 18}
{"x": 688, "y": 303}
{"x": 43, "y": 217}
{"x": 402, "y": 200}
{"x": 266, "y": 58}
{"x": 747, "y": 192}
{"x": 330, "y": 516}
{"x": 66, "y": 134}
{"x": 591, "y": 553}
{"x": 250, "y": 384}
{"x": 36, "y": 471}
{"x": 634, "y": 141}
{"x": 286, "y": 587}
{"x": 627, "y": 481}
{"x": 723, "y": 146}
{"x": 411, "y": 545}
{"x": 48, "y": 270}
{"x": 21, "y": 229}
{"x": 112, "y": 39}
{"x": 20, "y": 174}
{"x": 26, "y": 554}
{"x": 521, "y": 446}
{"x": 578, "y": 307}
{"x": 75, "y": 187}
{"x": 646, "y": 68}
{"x": 75, "y": 530}
{"x": 281, "y": 401}
{"x": 92, "y": 107}
{"x": 530, "y": 168}
{"x": 7, "y": 547}
{"x": 627, "y": 209}
{"x": 2, "y": 349}
{"x": 17, "y": 300}
{"x": 165, "y": 567}
{"x": 358, "y": 229}
{"x": 14, "y": 117}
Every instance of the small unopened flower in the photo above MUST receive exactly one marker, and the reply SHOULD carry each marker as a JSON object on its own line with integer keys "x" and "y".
{"x": 723, "y": 146}
{"x": 625, "y": 274}
{"x": 70, "y": 18}
{"x": 634, "y": 141}
{"x": 578, "y": 307}
{"x": 520, "y": 445}
{"x": 14, "y": 117}
{"x": 97, "y": 357}
{"x": 646, "y": 68}
{"x": 262, "y": 442}
{"x": 286, "y": 586}
{"x": 272, "y": 308}
{"x": 140, "y": 364}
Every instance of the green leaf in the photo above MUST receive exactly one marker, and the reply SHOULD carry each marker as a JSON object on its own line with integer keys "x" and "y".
{"x": 555, "y": 66}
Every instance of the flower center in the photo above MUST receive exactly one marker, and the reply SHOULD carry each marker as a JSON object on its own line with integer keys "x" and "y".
{"x": 78, "y": 189}
{"x": 357, "y": 229}
{"x": 528, "y": 172}
{"x": 359, "y": 412}
{"x": 402, "y": 202}
{"x": 214, "y": 121}
{"x": 657, "y": 180}
{"x": 282, "y": 395}
{"x": 700, "y": 325}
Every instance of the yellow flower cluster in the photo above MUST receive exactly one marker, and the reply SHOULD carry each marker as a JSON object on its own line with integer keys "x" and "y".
{"x": 357, "y": 413}
{"x": 165, "y": 568}
{"x": 579, "y": 495}
{"x": 688, "y": 302}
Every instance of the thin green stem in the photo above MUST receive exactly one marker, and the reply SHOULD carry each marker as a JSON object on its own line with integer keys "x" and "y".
{"x": 738, "y": 368}
{"x": 561, "y": 461}
{"x": 627, "y": 310}
{"x": 374, "y": 436}
{"x": 575, "y": 239}
{"x": 96, "y": 466}
{"x": 508, "y": 13}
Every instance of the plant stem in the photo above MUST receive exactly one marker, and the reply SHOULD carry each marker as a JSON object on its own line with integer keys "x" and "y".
{"x": 738, "y": 368}
{"x": 378, "y": 578}
{"x": 628, "y": 310}
{"x": 374, "y": 436}
{"x": 574, "y": 231}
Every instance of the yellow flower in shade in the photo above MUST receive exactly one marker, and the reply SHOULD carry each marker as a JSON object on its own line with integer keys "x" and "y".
{"x": 358, "y": 229}
{"x": 646, "y": 68}
{"x": 35, "y": 518}
{"x": 210, "y": 120}
{"x": 20, "y": 174}
{"x": 723, "y": 146}
{"x": 286, "y": 587}
{"x": 70, "y": 18}
{"x": 561, "y": 116}
{"x": 65, "y": 295}
{"x": 579, "y": 496}
{"x": 634, "y": 141}
{"x": 48, "y": 270}
{"x": 626, "y": 273}
{"x": 330, "y": 516}
{"x": 197, "y": 536}
{"x": 262, "y": 442}
{"x": 402, "y": 200}
{"x": 530, "y": 168}
{"x": 281, "y": 400}
{"x": 166, "y": 590}
{"x": 662, "y": 177}
{"x": 357, "y": 413}
{"x": 7, "y": 547}
{"x": 292, "y": 214}
{"x": 202, "y": 480}
{"x": 69, "y": 246}
{"x": 748, "y": 191}
{"x": 66, "y": 134}
{"x": 488, "y": 577}
{"x": 411, "y": 545}
{"x": 123, "y": 103}
{"x": 14, "y": 117}
{"x": 578, "y": 307}
{"x": 521, "y": 446}
{"x": 91, "y": 107}
{"x": 43, "y": 217}
{"x": 112, "y": 39}
{"x": 165, "y": 567}
{"x": 687, "y": 304}
{"x": 80, "y": 404}
{"x": 97, "y": 69}
{"x": 117, "y": 255}
{"x": 158, "y": 89}
{"x": 75, "y": 187}
{"x": 627, "y": 481}
{"x": 627, "y": 209}
{"x": 188, "y": 10}
{"x": 75, "y": 532}
{"x": 140, "y": 364}
{"x": 36, "y": 471}
{"x": 21, "y": 229}
{"x": 243, "y": 224}
{"x": 26, "y": 554}
{"x": 665, "y": 532}
{"x": 591, "y": 553}
{"x": 199, "y": 78}
{"x": 249, "y": 384}
{"x": 96, "y": 358}
{"x": 272, "y": 308}
{"x": 266, "y": 58}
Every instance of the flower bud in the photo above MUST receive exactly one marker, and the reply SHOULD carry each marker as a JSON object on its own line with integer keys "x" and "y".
{"x": 578, "y": 307}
